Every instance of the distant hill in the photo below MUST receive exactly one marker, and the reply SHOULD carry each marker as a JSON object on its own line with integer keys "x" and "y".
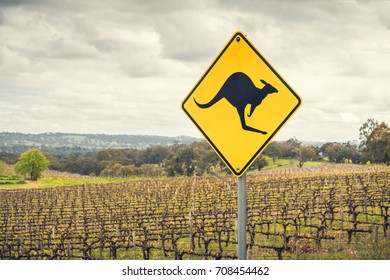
{"x": 313, "y": 143}
{"x": 66, "y": 144}
{"x": 13, "y": 142}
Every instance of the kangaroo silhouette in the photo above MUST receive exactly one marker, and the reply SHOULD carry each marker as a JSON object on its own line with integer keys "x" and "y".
{"x": 240, "y": 91}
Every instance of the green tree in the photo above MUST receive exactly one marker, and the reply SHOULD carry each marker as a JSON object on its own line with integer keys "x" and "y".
{"x": 154, "y": 155}
{"x": 273, "y": 150}
{"x": 151, "y": 170}
{"x": 206, "y": 160}
{"x": 375, "y": 141}
{"x": 365, "y": 131}
{"x": 33, "y": 163}
{"x": 55, "y": 164}
{"x": 289, "y": 148}
{"x": 305, "y": 153}
{"x": 182, "y": 162}
{"x": 84, "y": 166}
{"x": 115, "y": 155}
{"x": 340, "y": 153}
{"x": 260, "y": 162}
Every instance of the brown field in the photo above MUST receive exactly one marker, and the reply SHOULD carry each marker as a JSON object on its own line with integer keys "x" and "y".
{"x": 321, "y": 212}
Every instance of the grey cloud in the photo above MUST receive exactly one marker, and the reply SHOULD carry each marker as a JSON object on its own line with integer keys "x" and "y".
{"x": 103, "y": 45}
{"x": 125, "y": 66}
{"x": 290, "y": 11}
{"x": 161, "y": 7}
{"x": 380, "y": 10}
{"x": 71, "y": 49}
{"x": 17, "y": 2}
{"x": 181, "y": 41}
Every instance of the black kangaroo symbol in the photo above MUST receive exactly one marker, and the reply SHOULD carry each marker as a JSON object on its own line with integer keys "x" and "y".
{"x": 240, "y": 91}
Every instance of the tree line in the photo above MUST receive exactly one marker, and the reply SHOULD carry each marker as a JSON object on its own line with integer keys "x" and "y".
{"x": 198, "y": 158}
{"x": 66, "y": 143}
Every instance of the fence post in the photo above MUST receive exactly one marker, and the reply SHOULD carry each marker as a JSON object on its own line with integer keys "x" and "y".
{"x": 134, "y": 246}
{"x": 69, "y": 250}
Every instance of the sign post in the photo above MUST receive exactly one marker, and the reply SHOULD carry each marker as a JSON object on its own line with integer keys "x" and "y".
{"x": 241, "y": 219}
{"x": 239, "y": 105}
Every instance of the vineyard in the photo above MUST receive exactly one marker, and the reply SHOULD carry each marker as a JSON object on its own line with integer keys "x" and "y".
{"x": 292, "y": 214}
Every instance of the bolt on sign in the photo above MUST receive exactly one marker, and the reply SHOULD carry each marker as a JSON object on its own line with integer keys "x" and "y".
{"x": 240, "y": 103}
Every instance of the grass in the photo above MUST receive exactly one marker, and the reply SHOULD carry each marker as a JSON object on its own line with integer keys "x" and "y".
{"x": 360, "y": 249}
{"x": 284, "y": 163}
{"x": 10, "y": 181}
{"x": 279, "y": 163}
{"x": 61, "y": 181}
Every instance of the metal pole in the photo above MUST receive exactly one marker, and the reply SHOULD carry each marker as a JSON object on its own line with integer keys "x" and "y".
{"x": 241, "y": 221}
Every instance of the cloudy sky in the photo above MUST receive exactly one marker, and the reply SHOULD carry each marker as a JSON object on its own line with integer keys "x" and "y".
{"x": 124, "y": 66}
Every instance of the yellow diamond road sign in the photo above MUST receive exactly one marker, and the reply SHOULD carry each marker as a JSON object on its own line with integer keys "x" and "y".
{"x": 240, "y": 103}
